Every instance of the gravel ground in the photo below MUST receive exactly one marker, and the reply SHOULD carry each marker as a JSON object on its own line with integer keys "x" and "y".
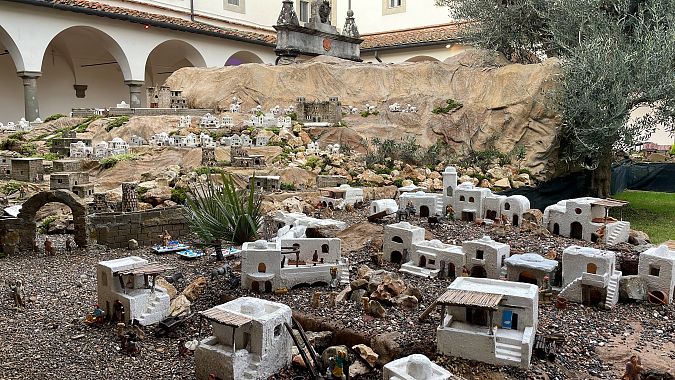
{"x": 47, "y": 340}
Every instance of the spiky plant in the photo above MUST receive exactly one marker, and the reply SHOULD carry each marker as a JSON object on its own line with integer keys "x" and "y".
{"x": 218, "y": 213}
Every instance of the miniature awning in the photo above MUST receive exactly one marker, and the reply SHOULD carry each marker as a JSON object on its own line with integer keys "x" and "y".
{"x": 609, "y": 202}
{"x": 458, "y": 297}
{"x": 225, "y": 317}
{"x": 146, "y": 270}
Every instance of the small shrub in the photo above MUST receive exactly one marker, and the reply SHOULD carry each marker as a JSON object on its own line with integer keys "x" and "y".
{"x": 53, "y": 117}
{"x": 44, "y": 225}
{"x": 141, "y": 191}
{"x": 274, "y": 130}
{"x": 17, "y": 136}
{"x": 287, "y": 186}
{"x": 367, "y": 113}
{"x": 398, "y": 182}
{"x": 28, "y": 149}
{"x": 50, "y": 156}
{"x": 10, "y": 188}
{"x": 111, "y": 161}
{"x": 313, "y": 162}
{"x": 293, "y": 116}
{"x": 178, "y": 195}
{"x": 450, "y": 105}
{"x": 82, "y": 127}
{"x": 525, "y": 171}
{"x": 116, "y": 123}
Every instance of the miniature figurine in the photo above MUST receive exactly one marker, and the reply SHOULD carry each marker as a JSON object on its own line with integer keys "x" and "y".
{"x": 333, "y": 277}
{"x": 316, "y": 300}
{"x": 315, "y": 257}
{"x": 633, "y": 369}
{"x": 130, "y": 338}
{"x": 332, "y": 299}
{"x": 465, "y": 271}
{"x": 166, "y": 238}
{"x": 99, "y": 314}
{"x": 69, "y": 246}
{"x": 546, "y": 290}
{"x": 118, "y": 312}
{"x": 49, "y": 248}
{"x": 338, "y": 365}
{"x": 18, "y": 294}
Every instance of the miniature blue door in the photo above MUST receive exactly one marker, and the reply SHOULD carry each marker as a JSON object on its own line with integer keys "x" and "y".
{"x": 507, "y": 318}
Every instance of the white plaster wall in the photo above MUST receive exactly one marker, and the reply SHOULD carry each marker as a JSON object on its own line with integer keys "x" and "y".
{"x": 11, "y": 88}
{"x": 574, "y": 264}
{"x": 437, "y": 52}
{"x": 665, "y": 281}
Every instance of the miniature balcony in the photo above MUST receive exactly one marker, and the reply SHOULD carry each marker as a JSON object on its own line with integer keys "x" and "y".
{"x": 597, "y": 280}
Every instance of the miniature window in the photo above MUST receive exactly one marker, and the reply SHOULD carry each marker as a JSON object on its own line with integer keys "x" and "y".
{"x": 507, "y": 206}
{"x": 471, "y": 200}
{"x": 324, "y": 248}
{"x": 591, "y": 268}
{"x": 397, "y": 239}
{"x": 577, "y": 210}
{"x": 60, "y": 180}
{"x": 654, "y": 270}
{"x": 277, "y": 331}
{"x": 393, "y": 6}
{"x": 449, "y": 191}
{"x": 432, "y": 262}
{"x": 479, "y": 254}
{"x": 461, "y": 198}
{"x": 262, "y": 268}
{"x": 303, "y": 11}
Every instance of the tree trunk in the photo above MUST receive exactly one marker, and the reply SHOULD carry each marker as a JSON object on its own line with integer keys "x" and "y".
{"x": 601, "y": 178}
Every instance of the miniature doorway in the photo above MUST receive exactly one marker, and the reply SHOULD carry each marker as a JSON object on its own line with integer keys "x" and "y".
{"x": 452, "y": 270}
{"x": 262, "y": 268}
{"x": 467, "y": 216}
{"x": 268, "y": 286}
{"x": 491, "y": 214}
{"x": 423, "y": 262}
{"x": 509, "y": 320}
{"x": 476, "y": 316}
{"x": 424, "y": 211}
{"x": 255, "y": 286}
{"x": 591, "y": 296}
{"x": 478, "y": 272}
{"x": 576, "y": 231}
{"x": 515, "y": 220}
{"x": 528, "y": 278}
{"x": 396, "y": 257}
{"x": 556, "y": 229}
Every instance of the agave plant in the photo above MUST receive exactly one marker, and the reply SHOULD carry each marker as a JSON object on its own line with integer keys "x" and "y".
{"x": 221, "y": 213}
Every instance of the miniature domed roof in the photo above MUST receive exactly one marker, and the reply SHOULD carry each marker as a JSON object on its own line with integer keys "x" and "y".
{"x": 419, "y": 367}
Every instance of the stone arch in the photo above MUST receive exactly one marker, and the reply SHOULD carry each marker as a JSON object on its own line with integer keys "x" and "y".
{"x": 242, "y": 57}
{"x": 169, "y": 56}
{"x": 68, "y": 198}
{"x": 108, "y": 43}
{"x": 13, "y": 50}
{"x": 422, "y": 58}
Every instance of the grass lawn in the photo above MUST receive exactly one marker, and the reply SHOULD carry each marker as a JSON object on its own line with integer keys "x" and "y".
{"x": 650, "y": 212}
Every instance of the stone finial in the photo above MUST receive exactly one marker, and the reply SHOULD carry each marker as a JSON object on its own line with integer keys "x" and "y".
{"x": 288, "y": 15}
{"x": 350, "y": 29}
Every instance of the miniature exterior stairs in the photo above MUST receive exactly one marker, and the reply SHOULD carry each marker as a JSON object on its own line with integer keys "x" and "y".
{"x": 508, "y": 352}
{"x": 612, "y": 290}
{"x": 413, "y": 269}
{"x": 251, "y": 373}
{"x": 573, "y": 283}
{"x": 344, "y": 271}
{"x": 440, "y": 206}
{"x": 619, "y": 230}
{"x": 153, "y": 300}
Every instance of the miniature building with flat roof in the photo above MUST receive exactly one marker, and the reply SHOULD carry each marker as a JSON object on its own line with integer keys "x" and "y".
{"x": 319, "y": 112}
{"x": 429, "y": 257}
{"x": 415, "y": 367}
{"x": 27, "y": 169}
{"x": 387, "y": 206}
{"x": 657, "y": 268}
{"x": 250, "y": 340}
{"x": 495, "y": 321}
{"x": 590, "y": 277}
{"x": 131, "y": 281}
{"x": 587, "y": 219}
{"x": 67, "y": 180}
{"x": 468, "y": 201}
{"x": 339, "y": 197}
{"x": 248, "y": 160}
{"x": 399, "y": 239}
{"x": 85, "y": 190}
{"x": 66, "y": 166}
{"x": 330, "y": 181}
{"x": 425, "y": 204}
{"x": 530, "y": 268}
{"x": 485, "y": 257}
{"x": 266, "y": 182}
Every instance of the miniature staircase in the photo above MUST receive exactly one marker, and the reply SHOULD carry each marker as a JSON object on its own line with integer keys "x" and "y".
{"x": 440, "y": 206}
{"x": 508, "y": 352}
{"x": 612, "y": 290}
{"x": 344, "y": 271}
{"x": 153, "y": 300}
{"x": 410, "y": 268}
{"x": 251, "y": 372}
{"x": 620, "y": 229}
{"x": 570, "y": 285}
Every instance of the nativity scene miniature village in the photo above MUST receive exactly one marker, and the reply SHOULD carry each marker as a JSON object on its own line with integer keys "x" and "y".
{"x": 226, "y": 190}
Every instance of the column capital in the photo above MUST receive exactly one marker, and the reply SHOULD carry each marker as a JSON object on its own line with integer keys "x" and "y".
{"x": 29, "y": 74}
{"x": 134, "y": 83}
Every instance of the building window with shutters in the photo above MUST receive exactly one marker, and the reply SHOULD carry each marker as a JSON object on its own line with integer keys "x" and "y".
{"x": 390, "y": 7}
{"x": 238, "y": 6}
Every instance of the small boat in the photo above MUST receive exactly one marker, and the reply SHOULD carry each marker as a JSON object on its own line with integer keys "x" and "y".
{"x": 172, "y": 247}
{"x": 228, "y": 251}
{"x": 190, "y": 254}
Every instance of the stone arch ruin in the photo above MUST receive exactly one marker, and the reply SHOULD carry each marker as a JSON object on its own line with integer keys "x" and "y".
{"x": 26, "y": 225}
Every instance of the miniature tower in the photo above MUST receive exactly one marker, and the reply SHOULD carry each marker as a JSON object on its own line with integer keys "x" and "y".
{"x": 209, "y": 157}
{"x": 449, "y": 184}
{"x": 100, "y": 203}
{"x": 129, "y": 197}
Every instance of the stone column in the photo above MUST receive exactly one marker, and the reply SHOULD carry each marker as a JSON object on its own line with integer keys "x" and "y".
{"x": 32, "y": 107}
{"x": 134, "y": 92}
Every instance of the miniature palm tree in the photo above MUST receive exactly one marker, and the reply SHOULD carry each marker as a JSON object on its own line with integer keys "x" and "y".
{"x": 221, "y": 213}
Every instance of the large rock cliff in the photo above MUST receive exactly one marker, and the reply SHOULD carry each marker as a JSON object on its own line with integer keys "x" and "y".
{"x": 500, "y": 99}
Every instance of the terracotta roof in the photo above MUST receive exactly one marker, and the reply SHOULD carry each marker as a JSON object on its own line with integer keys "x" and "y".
{"x": 149, "y": 269}
{"x": 401, "y": 38}
{"x": 153, "y": 19}
{"x": 225, "y": 317}
{"x": 458, "y": 297}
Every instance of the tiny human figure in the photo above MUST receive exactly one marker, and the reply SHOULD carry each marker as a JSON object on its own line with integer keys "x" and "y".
{"x": 338, "y": 371}
{"x": 18, "y": 293}
{"x": 315, "y": 257}
{"x": 49, "y": 248}
{"x": 118, "y": 312}
{"x": 99, "y": 314}
{"x": 69, "y": 245}
{"x": 465, "y": 271}
{"x": 546, "y": 290}
{"x": 633, "y": 369}
{"x": 333, "y": 275}
{"x": 166, "y": 238}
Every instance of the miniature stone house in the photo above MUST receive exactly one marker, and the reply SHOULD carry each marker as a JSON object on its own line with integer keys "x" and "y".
{"x": 262, "y": 140}
{"x": 425, "y": 204}
{"x": 513, "y": 208}
{"x": 178, "y": 100}
{"x": 66, "y": 166}
{"x": 590, "y": 277}
{"x": 587, "y": 219}
{"x": 84, "y": 190}
{"x": 159, "y": 97}
{"x": 449, "y": 184}
{"x": 67, "y": 180}
{"x": 63, "y": 146}
{"x": 248, "y": 161}
{"x": 530, "y": 268}
{"x": 266, "y": 182}
{"x": 330, "y": 181}
{"x": 185, "y": 121}
{"x": 131, "y": 280}
{"x": 495, "y": 321}
{"x": 415, "y": 367}
{"x": 319, "y": 112}
{"x": 249, "y": 341}
{"x": 657, "y": 268}
{"x": 399, "y": 239}
{"x": 209, "y": 157}
{"x": 340, "y": 197}
{"x": 27, "y": 169}
{"x": 428, "y": 257}
{"x": 485, "y": 257}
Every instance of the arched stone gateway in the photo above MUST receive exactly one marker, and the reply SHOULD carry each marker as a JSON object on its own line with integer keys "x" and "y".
{"x": 34, "y": 203}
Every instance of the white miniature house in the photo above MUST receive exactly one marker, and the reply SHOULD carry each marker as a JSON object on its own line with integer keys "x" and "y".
{"x": 131, "y": 281}
{"x": 430, "y": 256}
{"x": 341, "y": 196}
{"x": 249, "y": 341}
{"x": 415, "y": 367}
{"x": 590, "y": 277}
{"x": 657, "y": 268}
{"x": 587, "y": 219}
{"x": 399, "y": 239}
{"x": 530, "y": 268}
{"x": 425, "y": 204}
{"x": 488, "y": 320}
{"x": 485, "y": 257}
{"x": 387, "y": 206}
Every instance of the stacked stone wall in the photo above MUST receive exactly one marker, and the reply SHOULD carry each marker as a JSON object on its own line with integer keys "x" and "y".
{"x": 114, "y": 230}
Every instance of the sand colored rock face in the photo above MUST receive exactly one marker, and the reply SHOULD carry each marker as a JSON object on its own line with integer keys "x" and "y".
{"x": 505, "y": 100}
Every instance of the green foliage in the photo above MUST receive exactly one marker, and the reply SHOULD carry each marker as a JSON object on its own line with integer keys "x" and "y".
{"x": 10, "y": 188}
{"x": 50, "y": 156}
{"x": 223, "y": 213}
{"x": 209, "y": 170}
{"x": 111, "y": 161}
{"x": 17, "y": 136}
{"x": 293, "y": 116}
{"x": 525, "y": 171}
{"x": 407, "y": 150}
{"x": 289, "y": 186}
{"x": 450, "y": 105}
{"x": 398, "y": 182}
{"x": 650, "y": 212}
{"x": 274, "y": 130}
{"x": 43, "y": 227}
{"x": 82, "y": 127}
{"x": 8, "y": 144}
{"x": 672, "y": 150}
{"x": 140, "y": 191}
{"x": 346, "y": 149}
{"x": 178, "y": 195}
{"x": 116, "y": 123}
{"x": 53, "y": 117}
{"x": 367, "y": 113}
{"x": 314, "y": 162}
{"x": 28, "y": 149}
